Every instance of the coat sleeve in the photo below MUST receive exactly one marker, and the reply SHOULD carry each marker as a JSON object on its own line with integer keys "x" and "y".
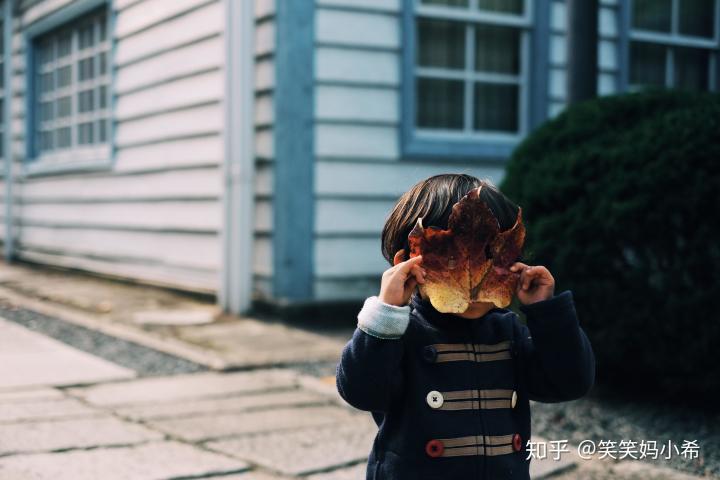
{"x": 369, "y": 375}
{"x": 559, "y": 362}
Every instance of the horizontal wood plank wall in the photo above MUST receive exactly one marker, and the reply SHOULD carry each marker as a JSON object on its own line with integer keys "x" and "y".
{"x": 264, "y": 147}
{"x": 2, "y": 215}
{"x": 608, "y": 53}
{"x": 156, "y": 216}
{"x": 359, "y": 172}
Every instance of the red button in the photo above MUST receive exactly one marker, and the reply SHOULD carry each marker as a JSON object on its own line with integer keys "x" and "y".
{"x": 517, "y": 442}
{"x": 434, "y": 448}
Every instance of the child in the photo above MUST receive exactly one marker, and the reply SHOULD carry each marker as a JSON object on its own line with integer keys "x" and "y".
{"x": 450, "y": 392}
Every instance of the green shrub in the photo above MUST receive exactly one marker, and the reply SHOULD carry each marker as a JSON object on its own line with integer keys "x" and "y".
{"x": 621, "y": 197}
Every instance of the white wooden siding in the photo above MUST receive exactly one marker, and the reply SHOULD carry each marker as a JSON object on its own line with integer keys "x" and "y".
{"x": 264, "y": 49}
{"x": 156, "y": 215}
{"x": 358, "y": 170}
{"x": 608, "y": 45}
{"x": 2, "y": 214}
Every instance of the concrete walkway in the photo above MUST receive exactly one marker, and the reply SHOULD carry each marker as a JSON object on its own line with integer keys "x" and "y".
{"x": 66, "y": 414}
{"x": 75, "y": 416}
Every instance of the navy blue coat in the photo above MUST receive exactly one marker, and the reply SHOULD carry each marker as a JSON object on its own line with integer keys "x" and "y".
{"x": 451, "y": 395}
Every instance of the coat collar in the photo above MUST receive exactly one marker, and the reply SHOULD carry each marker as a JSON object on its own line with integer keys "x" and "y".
{"x": 446, "y": 320}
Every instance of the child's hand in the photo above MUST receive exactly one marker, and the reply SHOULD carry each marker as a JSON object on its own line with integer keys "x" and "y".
{"x": 399, "y": 281}
{"x": 536, "y": 283}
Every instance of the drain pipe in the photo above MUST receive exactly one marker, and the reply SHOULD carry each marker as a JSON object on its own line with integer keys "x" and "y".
{"x": 239, "y": 160}
{"x": 9, "y": 244}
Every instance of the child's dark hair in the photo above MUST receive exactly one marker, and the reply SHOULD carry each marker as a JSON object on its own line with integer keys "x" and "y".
{"x": 433, "y": 199}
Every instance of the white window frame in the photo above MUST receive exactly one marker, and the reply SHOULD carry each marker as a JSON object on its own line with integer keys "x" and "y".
{"x": 472, "y": 16}
{"x": 76, "y": 158}
{"x": 676, "y": 39}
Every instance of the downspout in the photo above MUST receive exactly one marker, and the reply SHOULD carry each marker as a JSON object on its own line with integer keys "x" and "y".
{"x": 9, "y": 247}
{"x": 238, "y": 232}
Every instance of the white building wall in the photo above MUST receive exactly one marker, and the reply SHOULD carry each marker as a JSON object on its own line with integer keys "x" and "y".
{"x": 359, "y": 172}
{"x": 264, "y": 147}
{"x": 608, "y": 47}
{"x": 156, "y": 215}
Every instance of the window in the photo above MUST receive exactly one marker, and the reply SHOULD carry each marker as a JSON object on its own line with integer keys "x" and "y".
{"x": 2, "y": 90}
{"x": 674, "y": 43}
{"x": 468, "y": 75}
{"x": 71, "y": 92}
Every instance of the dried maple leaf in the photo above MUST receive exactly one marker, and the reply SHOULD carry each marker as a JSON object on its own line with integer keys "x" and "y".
{"x": 470, "y": 261}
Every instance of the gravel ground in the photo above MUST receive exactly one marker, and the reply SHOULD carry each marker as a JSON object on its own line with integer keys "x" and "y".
{"x": 601, "y": 416}
{"x": 145, "y": 361}
{"x": 315, "y": 369}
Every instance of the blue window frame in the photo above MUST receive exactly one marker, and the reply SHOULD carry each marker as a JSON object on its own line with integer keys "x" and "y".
{"x": 69, "y": 95}
{"x": 2, "y": 87}
{"x": 474, "y": 76}
{"x": 672, "y": 43}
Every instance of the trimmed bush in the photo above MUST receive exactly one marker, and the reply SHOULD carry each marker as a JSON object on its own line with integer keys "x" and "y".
{"x": 621, "y": 197}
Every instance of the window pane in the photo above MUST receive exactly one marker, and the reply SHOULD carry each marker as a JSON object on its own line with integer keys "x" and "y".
{"x": 85, "y": 36}
{"x": 691, "y": 68}
{"x": 46, "y": 111}
{"x": 441, "y": 44}
{"x": 647, "y": 64}
{"x": 102, "y": 28}
{"x": 102, "y": 130}
{"x": 102, "y": 97}
{"x": 46, "y": 140}
{"x": 502, "y": 6}
{"x": 85, "y": 101}
{"x": 85, "y": 133}
{"x": 64, "y": 45}
{"x": 86, "y": 69}
{"x": 446, "y": 3}
{"x": 496, "y": 107}
{"x": 440, "y": 103}
{"x": 64, "y": 76}
{"x": 46, "y": 82}
{"x": 697, "y": 17}
{"x": 64, "y": 107}
{"x": 652, "y": 15}
{"x": 102, "y": 61}
{"x": 497, "y": 49}
{"x": 63, "y": 137}
{"x": 45, "y": 52}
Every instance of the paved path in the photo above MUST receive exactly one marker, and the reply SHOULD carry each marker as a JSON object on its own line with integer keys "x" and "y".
{"x": 66, "y": 414}
{"x": 28, "y": 359}
{"x": 75, "y": 416}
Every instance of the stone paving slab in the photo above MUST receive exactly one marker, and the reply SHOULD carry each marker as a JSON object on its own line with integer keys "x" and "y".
{"x": 306, "y": 450}
{"x": 36, "y": 410}
{"x": 189, "y": 386}
{"x": 29, "y": 359}
{"x": 255, "y": 475}
{"x": 30, "y": 395}
{"x": 249, "y": 342}
{"x": 356, "y": 472}
{"x": 151, "y": 461}
{"x": 46, "y": 436}
{"x": 205, "y": 427}
{"x": 548, "y": 467}
{"x": 597, "y": 469}
{"x": 214, "y": 406}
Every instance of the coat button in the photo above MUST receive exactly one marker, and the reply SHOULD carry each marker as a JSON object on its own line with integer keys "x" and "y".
{"x": 513, "y": 402}
{"x": 434, "y": 448}
{"x": 517, "y": 442}
{"x": 429, "y": 354}
{"x": 513, "y": 349}
{"x": 434, "y": 399}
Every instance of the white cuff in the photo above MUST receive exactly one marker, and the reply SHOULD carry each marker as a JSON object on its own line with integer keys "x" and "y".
{"x": 383, "y": 320}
